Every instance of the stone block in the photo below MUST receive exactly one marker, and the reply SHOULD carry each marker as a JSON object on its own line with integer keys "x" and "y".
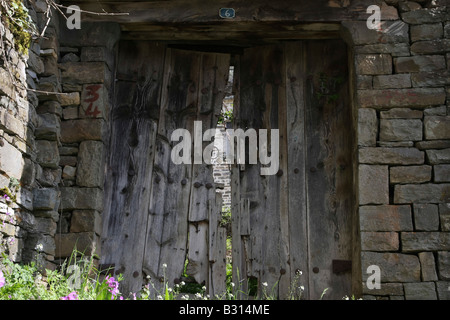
{"x": 442, "y": 173}
{"x": 52, "y": 107}
{"x": 422, "y": 193}
{"x": 400, "y": 130}
{"x": 84, "y": 73}
{"x": 438, "y": 156}
{"x": 373, "y": 184}
{"x": 426, "y": 217}
{"x": 49, "y": 127}
{"x": 11, "y": 124}
{"x": 425, "y": 241}
{"x": 94, "y": 101}
{"x": 364, "y": 82}
{"x": 98, "y": 54}
{"x": 45, "y": 199}
{"x": 439, "y": 46}
{"x": 425, "y": 15}
{"x": 86, "y": 242}
{"x": 443, "y": 291}
{"x": 410, "y": 174}
{"x": 373, "y": 64}
{"x": 384, "y": 155}
{"x": 444, "y": 215}
{"x": 68, "y": 161}
{"x": 48, "y": 177}
{"x": 47, "y": 242}
{"x": 68, "y": 151}
{"x": 45, "y": 226}
{"x": 69, "y": 173}
{"x": 420, "y": 291}
{"x": 367, "y": 127}
{"x": 387, "y": 289}
{"x": 73, "y": 198}
{"x": 70, "y": 99}
{"x": 91, "y": 158}
{"x": 47, "y": 153}
{"x": 28, "y": 173}
{"x": 428, "y": 266}
{"x": 385, "y": 218}
{"x": 414, "y": 97}
{"x": 426, "y": 31}
{"x": 82, "y": 129}
{"x": 436, "y": 111}
{"x": 433, "y": 144}
{"x": 92, "y": 34}
{"x": 394, "y": 49}
{"x": 402, "y": 80}
{"x": 379, "y": 241}
{"x": 394, "y": 267}
{"x": 443, "y": 264}
{"x": 430, "y": 79}
{"x": 401, "y": 113}
{"x": 70, "y": 113}
{"x": 419, "y": 63}
{"x": 357, "y": 33}
{"x": 54, "y": 215}
{"x": 85, "y": 221}
{"x": 11, "y": 161}
{"x": 437, "y": 127}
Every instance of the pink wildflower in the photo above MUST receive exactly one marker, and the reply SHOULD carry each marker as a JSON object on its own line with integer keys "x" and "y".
{"x": 72, "y": 296}
{"x": 2, "y": 279}
{"x": 113, "y": 285}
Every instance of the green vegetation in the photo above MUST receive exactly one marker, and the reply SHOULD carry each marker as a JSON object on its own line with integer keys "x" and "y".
{"x": 15, "y": 17}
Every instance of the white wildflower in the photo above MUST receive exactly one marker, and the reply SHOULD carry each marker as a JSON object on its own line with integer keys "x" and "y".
{"x": 265, "y": 284}
{"x": 164, "y": 265}
{"x": 39, "y": 247}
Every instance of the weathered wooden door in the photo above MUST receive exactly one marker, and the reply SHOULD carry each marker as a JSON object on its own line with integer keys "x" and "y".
{"x": 301, "y": 218}
{"x": 158, "y": 213}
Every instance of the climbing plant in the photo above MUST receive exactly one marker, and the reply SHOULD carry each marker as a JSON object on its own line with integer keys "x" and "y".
{"x": 15, "y": 17}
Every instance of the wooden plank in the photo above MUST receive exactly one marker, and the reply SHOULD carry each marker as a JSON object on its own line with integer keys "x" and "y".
{"x": 207, "y": 12}
{"x": 213, "y": 75}
{"x": 261, "y": 85}
{"x": 198, "y": 265}
{"x": 155, "y": 226}
{"x": 298, "y": 239}
{"x": 130, "y": 167}
{"x": 217, "y": 249}
{"x": 174, "y": 244}
{"x": 329, "y": 166}
{"x": 167, "y": 229}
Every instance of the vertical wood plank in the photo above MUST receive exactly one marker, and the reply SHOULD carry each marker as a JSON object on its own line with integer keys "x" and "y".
{"x": 217, "y": 249}
{"x": 130, "y": 163}
{"x": 213, "y": 75}
{"x": 329, "y": 165}
{"x": 298, "y": 239}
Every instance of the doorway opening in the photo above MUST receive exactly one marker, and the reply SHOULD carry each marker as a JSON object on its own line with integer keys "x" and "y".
{"x": 266, "y": 228}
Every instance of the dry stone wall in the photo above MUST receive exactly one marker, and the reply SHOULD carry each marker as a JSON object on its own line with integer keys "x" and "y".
{"x": 87, "y": 66}
{"x": 29, "y": 140}
{"x": 402, "y": 95}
